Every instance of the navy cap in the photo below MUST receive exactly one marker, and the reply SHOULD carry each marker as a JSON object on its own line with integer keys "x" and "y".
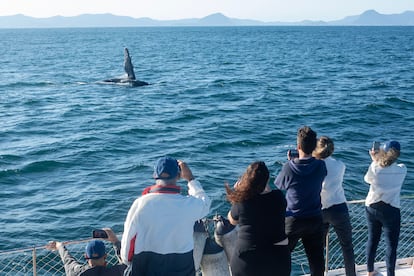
{"x": 166, "y": 168}
{"x": 391, "y": 145}
{"x": 95, "y": 249}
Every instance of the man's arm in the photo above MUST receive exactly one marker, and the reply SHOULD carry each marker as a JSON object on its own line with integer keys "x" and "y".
{"x": 115, "y": 243}
{"x": 280, "y": 181}
{"x": 129, "y": 235}
{"x": 194, "y": 188}
{"x": 72, "y": 266}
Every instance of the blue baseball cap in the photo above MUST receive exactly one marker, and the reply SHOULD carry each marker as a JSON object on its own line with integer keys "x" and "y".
{"x": 166, "y": 168}
{"x": 95, "y": 249}
{"x": 391, "y": 145}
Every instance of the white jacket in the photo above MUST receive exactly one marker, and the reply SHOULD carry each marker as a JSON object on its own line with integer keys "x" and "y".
{"x": 332, "y": 191}
{"x": 385, "y": 183}
{"x": 163, "y": 223}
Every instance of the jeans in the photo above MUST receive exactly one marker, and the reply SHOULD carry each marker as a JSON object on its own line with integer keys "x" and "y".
{"x": 310, "y": 230}
{"x": 382, "y": 216}
{"x": 338, "y": 217}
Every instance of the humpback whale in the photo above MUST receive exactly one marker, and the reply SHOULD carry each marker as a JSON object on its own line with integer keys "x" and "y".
{"x": 129, "y": 70}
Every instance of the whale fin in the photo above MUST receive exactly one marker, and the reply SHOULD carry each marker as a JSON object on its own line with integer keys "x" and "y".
{"x": 128, "y": 67}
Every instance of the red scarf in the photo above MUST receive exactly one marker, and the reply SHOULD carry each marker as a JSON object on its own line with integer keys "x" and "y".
{"x": 162, "y": 189}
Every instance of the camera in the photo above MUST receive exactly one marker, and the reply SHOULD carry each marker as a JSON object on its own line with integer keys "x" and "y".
{"x": 376, "y": 146}
{"x": 292, "y": 153}
{"x": 99, "y": 234}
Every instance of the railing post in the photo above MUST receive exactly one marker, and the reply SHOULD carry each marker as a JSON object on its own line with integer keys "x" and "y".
{"x": 327, "y": 253}
{"x": 34, "y": 262}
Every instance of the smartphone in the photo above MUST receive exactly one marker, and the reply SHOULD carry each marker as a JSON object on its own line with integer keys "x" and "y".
{"x": 293, "y": 154}
{"x": 376, "y": 146}
{"x": 99, "y": 234}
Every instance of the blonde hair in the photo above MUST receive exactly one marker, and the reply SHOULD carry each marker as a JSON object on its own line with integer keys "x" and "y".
{"x": 386, "y": 158}
{"x": 324, "y": 148}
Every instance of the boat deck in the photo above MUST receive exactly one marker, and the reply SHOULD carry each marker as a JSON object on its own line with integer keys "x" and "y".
{"x": 403, "y": 268}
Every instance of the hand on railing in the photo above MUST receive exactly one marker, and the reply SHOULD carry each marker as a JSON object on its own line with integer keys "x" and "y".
{"x": 53, "y": 245}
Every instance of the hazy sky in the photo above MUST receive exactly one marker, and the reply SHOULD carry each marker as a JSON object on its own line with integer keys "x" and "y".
{"x": 265, "y": 10}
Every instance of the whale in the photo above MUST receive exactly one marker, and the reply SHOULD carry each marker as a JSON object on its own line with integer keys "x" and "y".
{"x": 130, "y": 74}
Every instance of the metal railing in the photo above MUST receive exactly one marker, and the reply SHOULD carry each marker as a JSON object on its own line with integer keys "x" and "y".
{"x": 333, "y": 253}
{"x": 40, "y": 261}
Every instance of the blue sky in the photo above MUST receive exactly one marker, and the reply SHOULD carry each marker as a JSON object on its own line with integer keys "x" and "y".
{"x": 265, "y": 10}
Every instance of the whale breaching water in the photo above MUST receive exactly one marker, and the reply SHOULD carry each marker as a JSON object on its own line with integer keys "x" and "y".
{"x": 129, "y": 70}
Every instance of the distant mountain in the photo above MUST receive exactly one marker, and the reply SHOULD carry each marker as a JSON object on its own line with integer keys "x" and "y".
{"x": 373, "y": 18}
{"x": 85, "y": 20}
{"x": 368, "y": 18}
{"x": 219, "y": 19}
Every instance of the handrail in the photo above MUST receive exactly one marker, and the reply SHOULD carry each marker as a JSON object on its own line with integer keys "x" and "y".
{"x": 34, "y": 262}
{"x": 406, "y": 244}
{"x": 40, "y": 261}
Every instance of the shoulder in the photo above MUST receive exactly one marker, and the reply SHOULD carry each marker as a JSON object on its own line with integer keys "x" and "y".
{"x": 277, "y": 193}
{"x": 117, "y": 268}
{"x": 320, "y": 163}
{"x": 334, "y": 162}
{"x": 274, "y": 196}
{"x": 402, "y": 166}
{"x": 287, "y": 167}
{"x": 399, "y": 167}
{"x": 102, "y": 270}
{"x": 93, "y": 271}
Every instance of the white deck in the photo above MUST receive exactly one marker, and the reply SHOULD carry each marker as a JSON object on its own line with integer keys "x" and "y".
{"x": 403, "y": 268}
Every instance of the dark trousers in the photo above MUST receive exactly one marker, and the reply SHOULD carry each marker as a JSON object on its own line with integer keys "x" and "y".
{"x": 338, "y": 217}
{"x": 310, "y": 230}
{"x": 382, "y": 216}
{"x": 153, "y": 264}
{"x": 253, "y": 261}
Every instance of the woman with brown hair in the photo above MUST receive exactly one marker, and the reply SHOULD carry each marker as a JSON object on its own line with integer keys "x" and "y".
{"x": 262, "y": 245}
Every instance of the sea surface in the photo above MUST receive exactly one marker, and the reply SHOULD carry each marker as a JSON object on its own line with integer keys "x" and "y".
{"x": 75, "y": 153}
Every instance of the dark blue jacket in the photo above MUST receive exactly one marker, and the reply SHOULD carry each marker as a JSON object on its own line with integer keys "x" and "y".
{"x": 302, "y": 179}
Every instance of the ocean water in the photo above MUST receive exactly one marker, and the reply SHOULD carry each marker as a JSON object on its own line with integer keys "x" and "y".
{"x": 75, "y": 153}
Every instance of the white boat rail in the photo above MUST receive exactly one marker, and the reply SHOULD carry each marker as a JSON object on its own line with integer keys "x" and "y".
{"x": 40, "y": 261}
{"x": 333, "y": 252}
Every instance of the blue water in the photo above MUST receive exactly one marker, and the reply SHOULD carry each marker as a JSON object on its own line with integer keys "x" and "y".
{"x": 75, "y": 153}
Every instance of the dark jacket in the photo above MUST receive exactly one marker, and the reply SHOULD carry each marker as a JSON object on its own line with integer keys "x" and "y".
{"x": 302, "y": 179}
{"x": 74, "y": 268}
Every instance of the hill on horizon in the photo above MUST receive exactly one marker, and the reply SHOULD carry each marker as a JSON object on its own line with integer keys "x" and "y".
{"x": 367, "y": 18}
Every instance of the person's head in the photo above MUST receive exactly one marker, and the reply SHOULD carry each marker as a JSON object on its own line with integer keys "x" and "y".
{"x": 306, "y": 140}
{"x": 324, "y": 147}
{"x": 166, "y": 171}
{"x": 388, "y": 154}
{"x": 252, "y": 183}
{"x": 95, "y": 253}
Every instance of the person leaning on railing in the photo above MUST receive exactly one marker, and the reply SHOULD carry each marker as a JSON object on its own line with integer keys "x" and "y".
{"x": 334, "y": 208}
{"x": 261, "y": 247}
{"x": 382, "y": 204}
{"x": 302, "y": 179}
{"x": 95, "y": 254}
